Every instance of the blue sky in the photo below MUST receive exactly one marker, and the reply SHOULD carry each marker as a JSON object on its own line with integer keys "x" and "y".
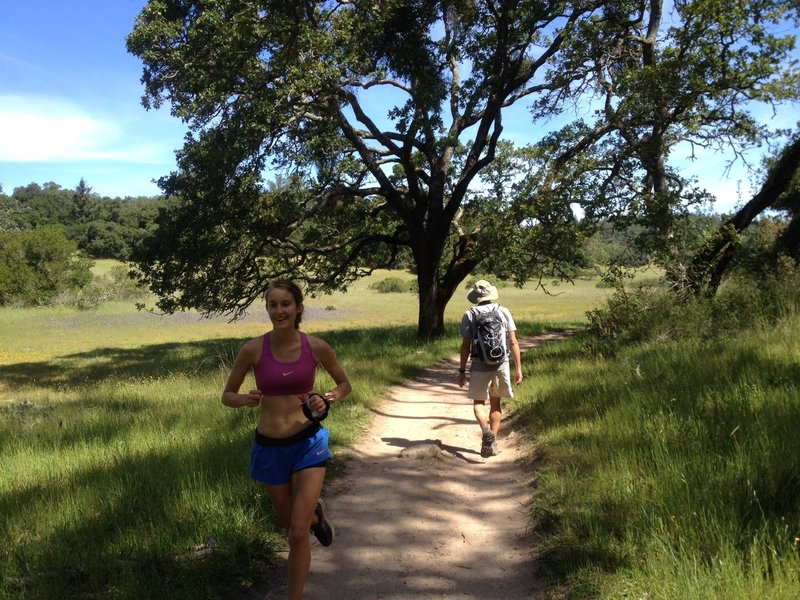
{"x": 70, "y": 106}
{"x": 70, "y": 100}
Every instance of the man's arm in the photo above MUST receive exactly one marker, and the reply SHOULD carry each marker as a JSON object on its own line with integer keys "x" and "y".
{"x": 515, "y": 353}
{"x": 466, "y": 345}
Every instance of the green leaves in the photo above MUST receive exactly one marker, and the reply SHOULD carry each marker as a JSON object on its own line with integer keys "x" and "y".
{"x": 390, "y": 117}
{"x": 36, "y": 266}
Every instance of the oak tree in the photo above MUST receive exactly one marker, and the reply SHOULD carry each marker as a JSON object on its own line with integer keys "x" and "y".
{"x": 382, "y": 117}
{"x": 674, "y": 82}
{"x": 385, "y": 124}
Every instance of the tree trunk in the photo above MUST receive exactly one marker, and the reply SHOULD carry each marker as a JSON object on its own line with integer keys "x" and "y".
{"x": 430, "y": 324}
{"x": 434, "y": 294}
{"x": 431, "y": 314}
{"x": 436, "y": 288}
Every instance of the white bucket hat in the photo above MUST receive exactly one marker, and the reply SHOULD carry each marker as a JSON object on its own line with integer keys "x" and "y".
{"x": 482, "y": 291}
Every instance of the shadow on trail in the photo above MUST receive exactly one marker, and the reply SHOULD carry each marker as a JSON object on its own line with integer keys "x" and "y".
{"x": 453, "y": 420}
{"x": 428, "y": 527}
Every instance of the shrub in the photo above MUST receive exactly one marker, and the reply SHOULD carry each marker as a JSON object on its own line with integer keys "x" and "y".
{"x": 654, "y": 312}
{"x": 394, "y": 285}
{"x": 760, "y": 297}
{"x": 36, "y": 266}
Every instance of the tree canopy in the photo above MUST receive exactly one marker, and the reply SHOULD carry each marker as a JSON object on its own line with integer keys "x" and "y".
{"x": 101, "y": 227}
{"x": 386, "y": 119}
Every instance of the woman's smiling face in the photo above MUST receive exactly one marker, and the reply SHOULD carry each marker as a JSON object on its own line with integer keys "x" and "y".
{"x": 282, "y": 308}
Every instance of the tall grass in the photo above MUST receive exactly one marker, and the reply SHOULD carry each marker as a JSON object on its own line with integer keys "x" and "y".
{"x": 672, "y": 468}
{"x": 668, "y": 466}
{"x": 123, "y": 476}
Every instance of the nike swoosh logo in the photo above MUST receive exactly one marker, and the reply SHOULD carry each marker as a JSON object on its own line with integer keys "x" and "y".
{"x": 320, "y": 452}
{"x": 285, "y": 373}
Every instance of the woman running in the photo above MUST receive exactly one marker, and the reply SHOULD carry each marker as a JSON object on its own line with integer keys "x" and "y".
{"x": 290, "y": 451}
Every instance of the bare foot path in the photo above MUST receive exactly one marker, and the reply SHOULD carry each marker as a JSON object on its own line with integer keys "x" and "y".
{"x": 418, "y": 513}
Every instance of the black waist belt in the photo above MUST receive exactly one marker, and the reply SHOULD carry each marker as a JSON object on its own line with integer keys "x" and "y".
{"x": 270, "y": 442}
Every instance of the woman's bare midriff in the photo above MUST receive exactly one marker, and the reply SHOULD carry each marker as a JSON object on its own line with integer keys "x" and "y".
{"x": 281, "y": 416}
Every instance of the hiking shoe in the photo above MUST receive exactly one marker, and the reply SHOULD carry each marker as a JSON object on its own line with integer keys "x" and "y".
{"x": 495, "y": 451}
{"x": 323, "y": 530}
{"x": 488, "y": 443}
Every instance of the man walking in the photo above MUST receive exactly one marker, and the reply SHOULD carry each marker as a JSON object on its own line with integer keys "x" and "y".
{"x": 488, "y": 337}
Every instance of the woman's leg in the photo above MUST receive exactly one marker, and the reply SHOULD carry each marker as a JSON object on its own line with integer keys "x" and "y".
{"x": 295, "y": 504}
{"x": 281, "y": 498}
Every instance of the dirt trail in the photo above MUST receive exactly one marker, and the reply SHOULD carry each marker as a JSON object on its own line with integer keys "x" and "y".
{"x": 418, "y": 513}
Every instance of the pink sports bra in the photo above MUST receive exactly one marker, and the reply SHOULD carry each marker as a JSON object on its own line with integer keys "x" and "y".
{"x": 275, "y": 378}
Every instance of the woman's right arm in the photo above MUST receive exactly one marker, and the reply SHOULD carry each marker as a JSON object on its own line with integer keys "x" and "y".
{"x": 243, "y": 363}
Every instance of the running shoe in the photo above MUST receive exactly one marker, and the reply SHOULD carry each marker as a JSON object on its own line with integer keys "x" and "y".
{"x": 488, "y": 444}
{"x": 323, "y": 530}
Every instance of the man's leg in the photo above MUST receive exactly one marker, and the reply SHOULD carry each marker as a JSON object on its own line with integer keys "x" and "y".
{"x": 495, "y": 414}
{"x": 479, "y": 390}
{"x": 481, "y": 413}
{"x": 483, "y": 416}
{"x": 479, "y": 382}
{"x": 500, "y": 388}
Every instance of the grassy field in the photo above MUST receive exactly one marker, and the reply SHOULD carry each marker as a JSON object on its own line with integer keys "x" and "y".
{"x": 122, "y": 471}
{"x": 670, "y": 470}
{"x": 39, "y": 335}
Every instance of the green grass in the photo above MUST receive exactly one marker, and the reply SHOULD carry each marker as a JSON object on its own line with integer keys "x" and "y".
{"x": 673, "y": 470}
{"x": 123, "y": 472}
{"x": 667, "y": 469}
{"x": 104, "y": 265}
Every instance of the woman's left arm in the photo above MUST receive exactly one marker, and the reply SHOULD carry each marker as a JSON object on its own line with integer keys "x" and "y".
{"x": 327, "y": 358}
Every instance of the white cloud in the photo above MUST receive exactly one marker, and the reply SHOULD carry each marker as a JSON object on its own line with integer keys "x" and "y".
{"x": 40, "y": 129}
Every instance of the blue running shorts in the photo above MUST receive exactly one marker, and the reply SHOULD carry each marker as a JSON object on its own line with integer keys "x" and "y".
{"x": 274, "y": 460}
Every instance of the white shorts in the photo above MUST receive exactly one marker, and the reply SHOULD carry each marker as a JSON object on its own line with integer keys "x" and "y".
{"x": 490, "y": 384}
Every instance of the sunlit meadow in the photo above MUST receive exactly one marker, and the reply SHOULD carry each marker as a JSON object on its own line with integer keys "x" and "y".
{"x": 123, "y": 471}
{"x": 669, "y": 470}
